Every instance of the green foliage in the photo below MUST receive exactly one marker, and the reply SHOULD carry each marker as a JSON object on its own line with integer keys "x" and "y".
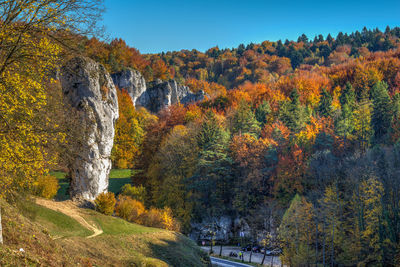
{"x": 325, "y": 104}
{"x": 261, "y": 113}
{"x": 244, "y": 121}
{"x": 382, "y": 112}
{"x": 135, "y": 192}
{"x": 212, "y": 176}
{"x": 292, "y": 113}
{"x": 348, "y": 96}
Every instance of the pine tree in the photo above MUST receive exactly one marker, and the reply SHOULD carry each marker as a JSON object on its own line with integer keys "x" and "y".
{"x": 348, "y": 96}
{"x": 344, "y": 124}
{"x": 244, "y": 121}
{"x": 382, "y": 112}
{"x": 325, "y": 104}
{"x": 292, "y": 113}
{"x": 212, "y": 179}
{"x": 262, "y": 111}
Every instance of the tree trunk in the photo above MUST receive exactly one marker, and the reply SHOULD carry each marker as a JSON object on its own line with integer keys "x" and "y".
{"x": 316, "y": 241}
{"x": 333, "y": 239}
{"x": 211, "y": 250}
{"x": 220, "y": 250}
{"x": 1, "y": 230}
{"x": 272, "y": 260}
{"x": 265, "y": 254}
{"x": 251, "y": 253}
{"x": 323, "y": 246}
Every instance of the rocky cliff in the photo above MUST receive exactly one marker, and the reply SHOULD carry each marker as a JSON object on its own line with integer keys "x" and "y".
{"x": 132, "y": 81}
{"x": 155, "y": 95}
{"x": 89, "y": 89}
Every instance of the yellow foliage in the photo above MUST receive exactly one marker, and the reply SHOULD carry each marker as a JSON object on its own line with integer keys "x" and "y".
{"x": 160, "y": 219}
{"x": 105, "y": 203}
{"x": 27, "y": 57}
{"x": 46, "y": 186}
{"x": 129, "y": 209}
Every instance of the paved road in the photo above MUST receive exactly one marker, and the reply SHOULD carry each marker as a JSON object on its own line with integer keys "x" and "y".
{"x": 256, "y": 257}
{"x": 226, "y": 263}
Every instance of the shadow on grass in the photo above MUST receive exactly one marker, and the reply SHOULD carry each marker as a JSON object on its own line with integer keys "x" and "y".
{"x": 118, "y": 178}
{"x": 180, "y": 252}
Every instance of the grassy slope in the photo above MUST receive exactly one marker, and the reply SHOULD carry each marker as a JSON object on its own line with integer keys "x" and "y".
{"x": 117, "y": 179}
{"x": 33, "y": 228}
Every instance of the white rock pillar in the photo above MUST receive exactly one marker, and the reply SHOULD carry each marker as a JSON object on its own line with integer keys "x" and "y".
{"x": 89, "y": 89}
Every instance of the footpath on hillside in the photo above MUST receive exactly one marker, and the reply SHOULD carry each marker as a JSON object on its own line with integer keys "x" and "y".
{"x": 70, "y": 209}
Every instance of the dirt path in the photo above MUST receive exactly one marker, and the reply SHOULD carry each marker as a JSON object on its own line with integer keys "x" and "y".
{"x": 70, "y": 209}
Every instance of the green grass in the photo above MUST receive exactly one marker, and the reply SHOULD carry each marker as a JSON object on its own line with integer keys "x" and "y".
{"x": 117, "y": 226}
{"x": 56, "y": 223}
{"x": 121, "y": 244}
{"x": 118, "y": 178}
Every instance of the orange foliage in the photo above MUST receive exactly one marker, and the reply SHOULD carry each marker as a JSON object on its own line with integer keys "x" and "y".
{"x": 308, "y": 83}
{"x": 213, "y": 90}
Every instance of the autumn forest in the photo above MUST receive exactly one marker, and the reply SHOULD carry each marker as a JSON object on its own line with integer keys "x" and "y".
{"x": 296, "y": 143}
{"x": 304, "y": 133}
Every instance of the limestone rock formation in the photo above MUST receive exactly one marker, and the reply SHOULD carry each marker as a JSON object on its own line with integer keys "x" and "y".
{"x": 222, "y": 227}
{"x": 89, "y": 89}
{"x": 161, "y": 94}
{"x": 156, "y": 95}
{"x": 132, "y": 81}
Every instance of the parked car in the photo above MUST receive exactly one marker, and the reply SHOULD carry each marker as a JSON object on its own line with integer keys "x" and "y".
{"x": 246, "y": 248}
{"x": 257, "y": 249}
{"x": 274, "y": 252}
{"x": 233, "y": 254}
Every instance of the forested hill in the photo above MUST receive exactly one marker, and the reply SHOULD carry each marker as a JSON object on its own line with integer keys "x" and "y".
{"x": 297, "y": 135}
{"x": 254, "y": 62}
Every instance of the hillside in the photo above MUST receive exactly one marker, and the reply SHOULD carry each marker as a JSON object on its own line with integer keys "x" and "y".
{"x": 51, "y": 238}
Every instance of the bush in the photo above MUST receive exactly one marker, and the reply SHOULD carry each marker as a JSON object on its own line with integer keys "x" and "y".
{"x": 129, "y": 209}
{"x": 46, "y": 186}
{"x": 153, "y": 218}
{"x": 161, "y": 218}
{"x": 135, "y": 192}
{"x": 122, "y": 164}
{"x": 105, "y": 203}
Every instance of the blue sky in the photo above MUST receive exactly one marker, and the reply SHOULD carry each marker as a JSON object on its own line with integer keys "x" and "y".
{"x": 154, "y": 26}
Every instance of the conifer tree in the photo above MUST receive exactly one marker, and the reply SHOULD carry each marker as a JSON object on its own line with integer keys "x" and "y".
{"x": 212, "y": 179}
{"x": 325, "y": 104}
{"x": 262, "y": 111}
{"x": 292, "y": 113}
{"x": 382, "y": 112}
{"x": 244, "y": 121}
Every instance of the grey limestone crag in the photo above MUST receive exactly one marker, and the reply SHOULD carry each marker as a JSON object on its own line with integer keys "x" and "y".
{"x": 89, "y": 89}
{"x": 155, "y": 95}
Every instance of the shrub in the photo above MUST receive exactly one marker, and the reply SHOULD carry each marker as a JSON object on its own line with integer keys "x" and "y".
{"x": 153, "y": 218}
{"x": 135, "y": 192}
{"x": 105, "y": 203}
{"x": 161, "y": 218}
{"x": 46, "y": 186}
{"x": 129, "y": 209}
{"x": 122, "y": 164}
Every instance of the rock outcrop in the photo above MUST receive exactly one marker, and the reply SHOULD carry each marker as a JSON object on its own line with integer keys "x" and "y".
{"x": 132, "y": 81}
{"x": 156, "y": 95}
{"x": 89, "y": 89}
